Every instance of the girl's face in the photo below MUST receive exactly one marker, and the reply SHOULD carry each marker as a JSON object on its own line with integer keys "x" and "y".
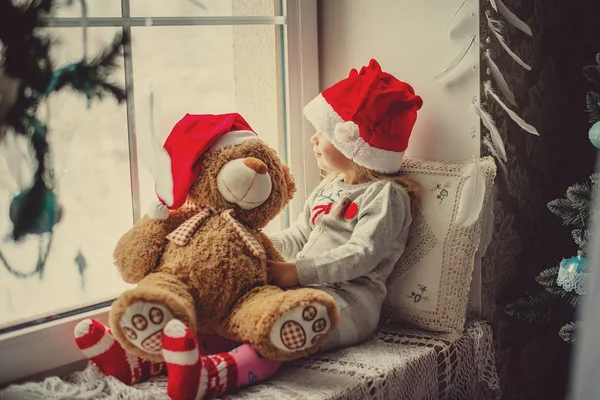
{"x": 328, "y": 157}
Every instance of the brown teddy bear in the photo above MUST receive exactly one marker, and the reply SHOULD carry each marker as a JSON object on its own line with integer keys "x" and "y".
{"x": 200, "y": 256}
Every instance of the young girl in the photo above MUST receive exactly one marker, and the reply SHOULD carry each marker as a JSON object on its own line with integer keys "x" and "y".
{"x": 351, "y": 233}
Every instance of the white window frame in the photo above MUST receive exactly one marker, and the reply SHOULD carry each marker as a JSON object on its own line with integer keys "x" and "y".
{"x": 49, "y": 348}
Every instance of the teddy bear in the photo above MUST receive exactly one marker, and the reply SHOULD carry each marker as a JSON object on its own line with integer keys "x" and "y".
{"x": 200, "y": 256}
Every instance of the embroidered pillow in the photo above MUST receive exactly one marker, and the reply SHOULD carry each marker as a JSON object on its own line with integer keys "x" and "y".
{"x": 430, "y": 283}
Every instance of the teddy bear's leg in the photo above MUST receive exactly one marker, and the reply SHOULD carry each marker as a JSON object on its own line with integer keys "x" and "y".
{"x": 98, "y": 344}
{"x": 138, "y": 316}
{"x": 284, "y": 325}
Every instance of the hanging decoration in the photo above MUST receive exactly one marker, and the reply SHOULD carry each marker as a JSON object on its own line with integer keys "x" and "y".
{"x": 594, "y": 135}
{"x": 493, "y": 141}
{"x": 456, "y": 61}
{"x": 27, "y": 77}
{"x": 499, "y": 78}
{"x": 496, "y": 28}
{"x": 487, "y": 87}
{"x": 496, "y": 139}
{"x": 472, "y": 195}
{"x": 572, "y": 273}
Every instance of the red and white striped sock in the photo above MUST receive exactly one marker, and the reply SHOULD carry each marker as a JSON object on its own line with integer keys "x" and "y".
{"x": 97, "y": 343}
{"x": 192, "y": 376}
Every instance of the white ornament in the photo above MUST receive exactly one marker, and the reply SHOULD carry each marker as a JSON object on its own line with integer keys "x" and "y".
{"x": 346, "y": 132}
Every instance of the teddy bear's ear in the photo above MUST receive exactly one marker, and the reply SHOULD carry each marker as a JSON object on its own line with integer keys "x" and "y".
{"x": 289, "y": 180}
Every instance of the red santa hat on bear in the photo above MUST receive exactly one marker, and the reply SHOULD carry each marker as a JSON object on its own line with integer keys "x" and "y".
{"x": 185, "y": 146}
{"x": 369, "y": 117}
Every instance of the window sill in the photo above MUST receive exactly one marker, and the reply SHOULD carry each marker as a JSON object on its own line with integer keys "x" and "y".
{"x": 28, "y": 349}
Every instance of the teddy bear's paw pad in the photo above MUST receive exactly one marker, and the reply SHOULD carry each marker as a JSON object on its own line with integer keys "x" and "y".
{"x": 143, "y": 324}
{"x": 300, "y": 328}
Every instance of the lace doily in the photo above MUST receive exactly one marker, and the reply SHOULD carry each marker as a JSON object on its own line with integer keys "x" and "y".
{"x": 571, "y": 280}
{"x": 395, "y": 363}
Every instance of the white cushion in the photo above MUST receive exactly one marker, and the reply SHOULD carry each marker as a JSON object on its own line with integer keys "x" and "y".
{"x": 430, "y": 284}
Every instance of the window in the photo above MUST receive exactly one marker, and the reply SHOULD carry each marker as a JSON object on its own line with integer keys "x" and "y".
{"x": 256, "y": 57}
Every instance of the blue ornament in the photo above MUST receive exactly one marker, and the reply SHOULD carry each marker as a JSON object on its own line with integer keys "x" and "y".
{"x": 594, "y": 135}
{"x": 572, "y": 274}
{"x": 50, "y": 215}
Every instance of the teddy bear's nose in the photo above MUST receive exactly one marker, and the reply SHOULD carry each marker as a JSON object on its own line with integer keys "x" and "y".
{"x": 256, "y": 165}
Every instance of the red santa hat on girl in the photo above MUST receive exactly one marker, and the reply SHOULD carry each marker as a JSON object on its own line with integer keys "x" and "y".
{"x": 368, "y": 117}
{"x": 188, "y": 141}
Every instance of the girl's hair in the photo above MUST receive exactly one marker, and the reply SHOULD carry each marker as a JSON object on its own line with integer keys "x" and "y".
{"x": 363, "y": 174}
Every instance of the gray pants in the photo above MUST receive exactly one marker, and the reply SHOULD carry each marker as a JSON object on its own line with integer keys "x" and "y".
{"x": 357, "y": 322}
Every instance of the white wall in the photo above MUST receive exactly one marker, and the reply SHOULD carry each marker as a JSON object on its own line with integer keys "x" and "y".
{"x": 408, "y": 38}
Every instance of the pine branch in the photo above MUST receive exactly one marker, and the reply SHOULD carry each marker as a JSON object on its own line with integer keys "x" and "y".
{"x": 580, "y": 237}
{"x": 580, "y": 195}
{"x": 32, "y": 207}
{"x": 569, "y": 332}
{"x": 90, "y": 78}
{"x": 593, "y": 106}
{"x": 570, "y": 299}
{"x": 592, "y": 74}
{"x": 547, "y": 277}
{"x": 539, "y": 307}
{"x": 568, "y": 212}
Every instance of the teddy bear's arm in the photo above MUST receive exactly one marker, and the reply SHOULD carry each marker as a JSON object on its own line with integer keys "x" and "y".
{"x": 139, "y": 250}
{"x": 272, "y": 253}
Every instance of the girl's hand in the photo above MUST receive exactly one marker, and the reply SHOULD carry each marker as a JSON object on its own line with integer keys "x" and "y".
{"x": 282, "y": 274}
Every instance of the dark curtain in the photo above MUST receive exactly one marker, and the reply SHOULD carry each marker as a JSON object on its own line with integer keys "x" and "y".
{"x": 534, "y": 363}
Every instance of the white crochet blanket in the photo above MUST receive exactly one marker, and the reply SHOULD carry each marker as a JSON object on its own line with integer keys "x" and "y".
{"x": 396, "y": 363}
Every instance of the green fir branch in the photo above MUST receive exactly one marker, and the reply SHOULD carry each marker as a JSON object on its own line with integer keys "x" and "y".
{"x": 91, "y": 78}
{"x": 547, "y": 277}
{"x": 568, "y": 212}
{"x": 592, "y": 74}
{"x": 570, "y": 299}
{"x": 541, "y": 307}
{"x": 580, "y": 237}
{"x": 580, "y": 194}
{"x": 592, "y": 102}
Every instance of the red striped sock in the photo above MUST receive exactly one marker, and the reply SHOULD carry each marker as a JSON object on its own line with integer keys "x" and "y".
{"x": 192, "y": 376}
{"x": 99, "y": 345}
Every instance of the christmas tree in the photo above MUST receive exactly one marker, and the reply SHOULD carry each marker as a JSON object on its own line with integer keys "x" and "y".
{"x": 27, "y": 77}
{"x": 562, "y": 286}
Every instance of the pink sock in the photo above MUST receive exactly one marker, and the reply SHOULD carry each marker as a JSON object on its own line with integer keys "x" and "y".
{"x": 193, "y": 376}
{"x": 251, "y": 366}
{"x": 99, "y": 345}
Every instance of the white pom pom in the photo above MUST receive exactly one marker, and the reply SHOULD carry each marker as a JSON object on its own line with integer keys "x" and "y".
{"x": 346, "y": 132}
{"x": 158, "y": 211}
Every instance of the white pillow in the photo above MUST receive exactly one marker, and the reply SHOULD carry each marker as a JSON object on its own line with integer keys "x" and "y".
{"x": 430, "y": 284}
